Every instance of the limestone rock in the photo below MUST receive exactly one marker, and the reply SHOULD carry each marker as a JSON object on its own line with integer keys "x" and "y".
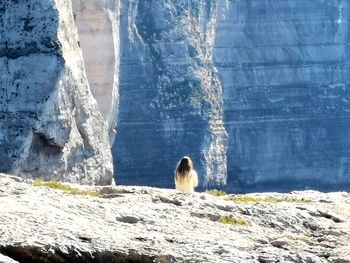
{"x": 255, "y": 91}
{"x": 171, "y": 101}
{"x": 4, "y": 259}
{"x": 50, "y": 126}
{"x": 283, "y": 66}
{"x": 143, "y": 224}
{"x": 98, "y": 29}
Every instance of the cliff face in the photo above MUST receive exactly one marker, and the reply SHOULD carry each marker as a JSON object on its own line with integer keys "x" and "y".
{"x": 255, "y": 92}
{"x": 50, "y": 125}
{"x": 170, "y": 95}
{"x": 273, "y": 74}
{"x": 284, "y": 68}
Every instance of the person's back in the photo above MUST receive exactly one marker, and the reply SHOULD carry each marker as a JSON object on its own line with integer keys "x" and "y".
{"x": 186, "y": 178}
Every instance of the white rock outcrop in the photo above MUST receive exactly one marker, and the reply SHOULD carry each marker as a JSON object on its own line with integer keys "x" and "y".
{"x": 50, "y": 125}
{"x": 98, "y": 29}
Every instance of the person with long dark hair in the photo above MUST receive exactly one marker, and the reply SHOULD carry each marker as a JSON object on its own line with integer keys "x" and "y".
{"x": 186, "y": 178}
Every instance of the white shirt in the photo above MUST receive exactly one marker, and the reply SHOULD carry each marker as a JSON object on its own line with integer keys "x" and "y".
{"x": 187, "y": 184}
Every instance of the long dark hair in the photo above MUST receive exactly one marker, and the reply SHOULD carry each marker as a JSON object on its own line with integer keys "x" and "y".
{"x": 183, "y": 168}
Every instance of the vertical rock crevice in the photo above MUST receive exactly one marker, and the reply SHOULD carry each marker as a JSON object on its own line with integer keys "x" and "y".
{"x": 98, "y": 29}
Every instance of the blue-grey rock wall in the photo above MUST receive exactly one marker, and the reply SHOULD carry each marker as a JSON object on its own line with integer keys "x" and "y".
{"x": 284, "y": 68}
{"x": 255, "y": 92}
{"x": 283, "y": 87}
{"x": 170, "y": 94}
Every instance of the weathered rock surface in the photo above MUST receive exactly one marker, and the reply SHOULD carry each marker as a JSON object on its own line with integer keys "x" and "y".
{"x": 50, "y": 126}
{"x": 141, "y": 224}
{"x": 282, "y": 94}
{"x": 98, "y": 29}
{"x": 5, "y": 259}
{"x": 171, "y": 100}
{"x": 256, "y": 92}
{"x": 284, "y": 69}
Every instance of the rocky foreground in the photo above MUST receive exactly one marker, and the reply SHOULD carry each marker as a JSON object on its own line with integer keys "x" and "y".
{"x": 142, "y": 224}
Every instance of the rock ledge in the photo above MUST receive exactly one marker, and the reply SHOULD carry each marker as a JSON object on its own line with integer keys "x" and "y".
{"x": 142, "y": 224}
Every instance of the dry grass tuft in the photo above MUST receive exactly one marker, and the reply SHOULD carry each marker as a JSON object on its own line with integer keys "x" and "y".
{"x": 65, "y": 188}
{"x": 216, "y": 192}
{"x": 233, "y": 221}
{"x": 272, "y": 200}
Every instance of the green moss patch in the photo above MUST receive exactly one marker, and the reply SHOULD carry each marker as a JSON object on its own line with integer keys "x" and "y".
{"x": 233, "y": 221}
{"x": 272, "y": 200}
{"x": 216, "y": 192}
{"x": 65, "y": 188}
